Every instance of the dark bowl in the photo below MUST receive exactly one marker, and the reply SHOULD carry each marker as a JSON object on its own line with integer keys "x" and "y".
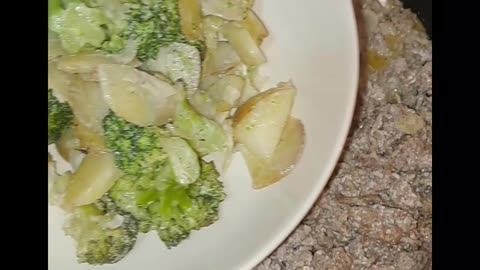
{"x": 423, "y": 9}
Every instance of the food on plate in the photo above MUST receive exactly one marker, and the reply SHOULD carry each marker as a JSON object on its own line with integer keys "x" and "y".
{"x": 268, "y": 170}
{"x": 258, "y": 124}
{"x": 103, "y": 234}
{"x": 148, "y": 101}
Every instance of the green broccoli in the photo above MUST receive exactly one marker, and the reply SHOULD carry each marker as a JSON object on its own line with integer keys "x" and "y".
{"x": 173, "y": 210}
{"x": 108, "y": 24}
{"x": 198, "y": 207}
{"x": 205, "y": 135}
{"x": 150, "y": 190}
{"x": 77, "y": 25}
{"x": 103, "y": 234}
{"x": 60, "y": 117}
{"x": 153, "y": 24}
{"x": 114, "y": 11}
{"x": 137, "y": 150}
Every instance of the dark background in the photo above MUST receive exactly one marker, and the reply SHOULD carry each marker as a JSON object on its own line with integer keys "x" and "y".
{"x": 423, "y": 9}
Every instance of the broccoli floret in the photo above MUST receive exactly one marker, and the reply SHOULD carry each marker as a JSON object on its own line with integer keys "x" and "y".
{"x": 198, "y": 207}
{"x": 154, "y": 24}
{"x": 77, "y": 25}
{"x": 103, "y": 234}
{"x": 114, "y": 12}
{"x": 150, "y": 191}
{"x": 137, "y": 150}
{"x": 108, "y": 24}
{"x": 124, "y": 194}
{"x": 171, "y": 209}
{"x": 60, "y": 117}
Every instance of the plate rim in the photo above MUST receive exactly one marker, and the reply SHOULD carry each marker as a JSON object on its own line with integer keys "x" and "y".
{"x": 324, "y": 179}
{"x": 321, "y": 181}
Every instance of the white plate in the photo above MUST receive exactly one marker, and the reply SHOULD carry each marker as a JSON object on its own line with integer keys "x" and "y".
{"x": 314, "y": 43}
